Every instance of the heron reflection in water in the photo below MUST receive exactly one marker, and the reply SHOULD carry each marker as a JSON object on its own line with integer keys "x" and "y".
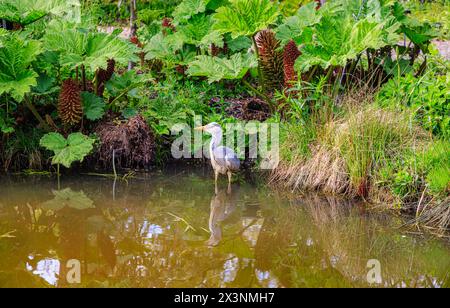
{"x": 223, "y": 205}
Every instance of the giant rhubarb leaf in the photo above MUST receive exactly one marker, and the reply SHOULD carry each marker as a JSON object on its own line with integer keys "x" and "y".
{"x": 217, "y": 69}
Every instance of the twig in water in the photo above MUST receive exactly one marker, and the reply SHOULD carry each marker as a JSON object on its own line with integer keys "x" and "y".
{"x": 188, "y": 225}
{"x": 114, "y": 163}
{"x": 8, "y": 235}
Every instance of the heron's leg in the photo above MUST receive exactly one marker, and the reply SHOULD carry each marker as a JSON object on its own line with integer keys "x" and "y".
{"x": 229, "y": 176}
{"x": 216, "y": 174}
{"x": 229, "y": 181}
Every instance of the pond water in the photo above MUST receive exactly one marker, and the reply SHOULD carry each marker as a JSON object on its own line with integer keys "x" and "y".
{"x": 172, "y": 230}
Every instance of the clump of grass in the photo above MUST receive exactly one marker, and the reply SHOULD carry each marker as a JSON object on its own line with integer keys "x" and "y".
{"x": 369, "y": 139}
{"x": 323, "y": 171}
{"x": 22, "y": 150}
{"x": 307, "y": 162}
{"x": 345, "y": 153}
{"x": 296, "y": 139}
{"x": 434, "y": 165}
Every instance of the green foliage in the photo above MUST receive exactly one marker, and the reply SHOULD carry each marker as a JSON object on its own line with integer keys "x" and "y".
{"x": 92, "y": 49}
{"x": 297, "y": 27}
{"x": 194, "y": 35}
{"x": 217, "y": 69}
{"x": 25, "y": 12}
{"x": 3, "y": 33}
{"x": 302, "y": 107}
{"x": 245, "y": 17}
{"x": 148, "y": 16}
{"x": 334, "y": 35}
{"x": 438, "y": 179}
{"x": 93, "y": 106}
{"x": 428, "y": 97}
{"x": 295, "y": 139}
{"x": 6, "y": 123}
{"x": 434, "y": 164}
{"x": 290, "y": 7}
{"x": 420, "y": 33}
{"x": 16, "y": 75}
{"x": 164, "y": 47}
{"x": 45, "y": 85}
{"x": 21, "y": 150}
{"x": 402, "y": 183}
{"x": 427, "y": 167}
{"x": 173, "y": 105}
{"x": 197, "y": 31}
{"x": 163, "y": 116}
{"x": 370, "y": 139}
{"x": 239, "y": 44}
{"x": 123, "y": 88}
{"x": 67, "y": 151}
{"x": 436, "y": 12}
{"x": 189, "y": 8}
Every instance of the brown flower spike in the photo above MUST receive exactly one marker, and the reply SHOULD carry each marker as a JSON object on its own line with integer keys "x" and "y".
{"x": 270, "y": 59}
{"x": 104, "y": 76}
{"x": 290, "y": 55}
{"x": 70, "y": 107}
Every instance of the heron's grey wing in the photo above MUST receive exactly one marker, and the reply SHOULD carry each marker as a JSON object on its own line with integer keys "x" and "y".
{"x": 226, "y": 157}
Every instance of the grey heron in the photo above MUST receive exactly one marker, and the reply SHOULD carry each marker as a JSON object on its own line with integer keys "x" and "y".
{"x": 223, "y": 159}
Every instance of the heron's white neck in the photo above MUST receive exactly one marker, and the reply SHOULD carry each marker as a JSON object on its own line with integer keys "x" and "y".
{"x": 215, "y": 140}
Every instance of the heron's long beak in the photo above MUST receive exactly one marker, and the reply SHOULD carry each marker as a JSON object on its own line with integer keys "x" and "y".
{"x": 201, "y": 128}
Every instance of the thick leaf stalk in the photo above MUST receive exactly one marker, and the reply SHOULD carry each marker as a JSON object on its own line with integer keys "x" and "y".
{"x": 135, "y": 40}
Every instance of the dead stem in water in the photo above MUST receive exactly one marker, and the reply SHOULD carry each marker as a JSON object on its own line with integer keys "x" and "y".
{"x": 435, "y": 217}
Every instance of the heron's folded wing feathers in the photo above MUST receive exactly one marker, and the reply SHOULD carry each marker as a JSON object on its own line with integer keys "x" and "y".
{"x": 226, "y": 157}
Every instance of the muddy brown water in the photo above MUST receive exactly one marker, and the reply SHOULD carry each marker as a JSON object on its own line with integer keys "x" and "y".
{"x": 171, "y": 229}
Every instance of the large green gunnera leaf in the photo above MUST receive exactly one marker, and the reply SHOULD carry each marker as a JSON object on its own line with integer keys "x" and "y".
{"x": 418, "y": 32}
{"x": 92, "y": 50}
{"x": 245, "y": 17}
{"x": 342, "y": 32}
{"x": 164, "y": 47}
{"x": 25, "y": 12}
{"x": 188, "y": 8}
{"x": 93, "y": 106}
{"x": 217, "y": 69}
{"x": 198, "y": 31}
{"x": 16, "y": 75}
{"x": 67, "y": 151}
{"x": 297, "y": 27}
